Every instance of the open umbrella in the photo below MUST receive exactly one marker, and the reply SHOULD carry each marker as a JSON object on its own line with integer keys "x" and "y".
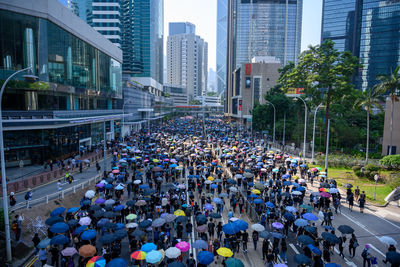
{"x": 205, "y": 257}
{"x": 305, "y": 239}
{"x": 173, "y": 252}
{"x": 69, "y": 251}
{"x": 331, "y": 238}
{"x": 310, "y": 217}
{"x": 138, "y": 255}
{"x": 145, "y": 224}
{"x": 100, "y": 201}
{"x": 52, "y": 220}
{"x": 264, "y": 234}
{"x": 59, "y": 240}
{"x": 90, "y": 194}
{"x": 225, "y": 252}
{"x": 44, "y": 243}
{"x": 85, "y": 221}
{"x": 154, "y": 257}
{"x": 59, "y": 227}
{"x": 131, "y": 217}
{"x": 117, "y": 262}
{"x": 388, "y": 240}
{"x": 148, "y": 247}
{"x": 347, "y": 186}
{"x": 158, "y": 222}
{"x": 242, "y": 225}
{"x": 97, "y": 261}
{"x": 200, "y": 244}
{"x": 258, "y": 227}
{"x": 277, "y": 225}
{"x": 302, "y": 259}
{"x": 106, "y": 239}
{"x": 87, "y": 251}
{"x": 137, "y": 233}
{"x": 215, "y": 215}
{"x": 233, "y": 262}
{"x": 230, "y": 229}
{"x": 120, "y": 234}
{"x": 183, "y": 246}
{"x": 345, "y": 229}
{"x": 89, "y": 234}
{"x": 57, "y": 211}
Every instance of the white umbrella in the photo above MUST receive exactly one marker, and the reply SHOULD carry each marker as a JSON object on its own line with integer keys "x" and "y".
{"x": 172, "y": 252}
{"x": 90, "y": 194}
{"x": 297, "y": 193}
{"x": 233, "y": 219}
{"x": 131, "y": 225}
{"x": 208, "y": 182}
{"x": 388, "y": 240}
{"x": 85, "y": 221}
{"x": 137, "y": 181}
{"x": 109, "y": 202}
{"x": 233, "y": 189}
{"x": 333, "y": 190}
{"x": 302, "y": 181}
{"x": 258, "y": 227}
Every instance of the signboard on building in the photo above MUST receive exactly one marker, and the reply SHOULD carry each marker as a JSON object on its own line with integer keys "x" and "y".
{"x": 295, "y": 92}
{"x": 248, "y": 69}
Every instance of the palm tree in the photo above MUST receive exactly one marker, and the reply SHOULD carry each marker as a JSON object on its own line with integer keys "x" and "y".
{"x": 368, "y": 100}
{"x": 390, "y": 83}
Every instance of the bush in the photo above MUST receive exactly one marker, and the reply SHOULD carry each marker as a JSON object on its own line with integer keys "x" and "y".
{"x": 391, "y": 162}
{"x": 393, "y": 180}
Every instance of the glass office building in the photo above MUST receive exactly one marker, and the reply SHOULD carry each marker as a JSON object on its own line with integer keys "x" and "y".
{"x": 370, "y": 29}
{"x": 222, "y": 19}
{"x": 77, "y": 90}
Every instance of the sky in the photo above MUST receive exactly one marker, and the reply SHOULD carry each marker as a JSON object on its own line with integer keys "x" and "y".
{"x": 203, "y": 13}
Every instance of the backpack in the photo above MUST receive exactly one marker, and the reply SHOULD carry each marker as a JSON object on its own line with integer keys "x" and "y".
{"x": 14, "y": 226}
{"x": 364, "y": 254}
{"x": 27, "y": 196}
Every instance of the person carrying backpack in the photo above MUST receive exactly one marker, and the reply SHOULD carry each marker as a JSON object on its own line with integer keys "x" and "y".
{"x": 12, "y": 199}
{"x": 366, "y": 255}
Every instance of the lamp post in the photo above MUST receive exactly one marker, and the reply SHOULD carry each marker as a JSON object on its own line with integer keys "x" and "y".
{"x": 313, "y": 136}
{"x": 273, "y": 138}
{"x": 3, "y": 169}
{"x": 305, "y": 126}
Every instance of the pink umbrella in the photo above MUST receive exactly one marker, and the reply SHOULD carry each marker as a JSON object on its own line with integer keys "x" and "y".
{"x": 277, "y": 225}
{"x": 325, "y": 194}
{"x": 115, "y": 171}
{"x": 115, "y": 153}
{"x": 166, "y": 160}
{"x": 183, "y": 246}
{"x": 202, "y": 228}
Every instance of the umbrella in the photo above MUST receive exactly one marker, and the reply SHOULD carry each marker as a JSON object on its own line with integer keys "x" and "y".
{"x": 80, "y": 229}
{"x": 288, "y": 216}
{"x": 325, "y": 194}
{"x": 388, "y": 240}
{"x": 97, "y": 261}
{"x": 130, "y": 203}
{"x": 205, "y": 257}
{"x": 332, "y": 264}
{"x": 264, "y": 234}
{"x": 302, "y": 259}
{"x": 117, "y": 262}
{"x": 59, "y": 240}
{"x": 183, "y": 246}
{"x": 106, "y": 239}
{"x": 158, "y": 222}
{"x": 69, "y": 251}
{"x": 73, "y": 209}
{"x": 87, "y": 251}
{"x": 109, "y": 214}
{"x": 109, "y": 202}
{"x": 225, "y": 252}
{"x": 173, "y": 252}
{"x": 208, "y": 206}
{"x": 131, "y": 225}
{"x": 345, "y": 229}
{"x": 44, "y": 243}
{"x": 138, "y": 233}
{"x": 98, "y": 213}
{"x": 90, "y": 194}
{"x": 140, "y": 203}
{"x": 179, "y": 213}
{"x": 181, "y": 219}
{"x": 241, "y": 225}
{"x": 331, "y": 238}
{"x": 258, "y": 201}
{"x": 200, "y": 244}
{"x": 305, "y": 239}
{"x": 347, "y": 185}
{"x": 85, "y": 221}
{"x": 277, "y": 225}
{"x": 258, "y": 227}
{"x": 230, "y": 229}
{"x": 270, "y": 204}
{"x": 314, "y": 249}
{"x": 148, "y": 247}
{"x": 291, "y": 209}
{"x": 88, "y": 234}
{"x": 310, "y": 217}
{"x": 154, "y": 257}
{"x": 300, "y": 222}
{"x": 393, "y": 257}
{"x": 57, "y": 211}
{"x": 305, "y": 206}
{"x": 233, "y": 262}
{"x": 201, "y": 219}
{"x": 100, "y": 201}
{"x": 52, "y": 220}
{"x": 59, "y": 227}
{"x": 145, "y": 224}
{"x": 215, "y": 215}
{"x": 202, "y": 228}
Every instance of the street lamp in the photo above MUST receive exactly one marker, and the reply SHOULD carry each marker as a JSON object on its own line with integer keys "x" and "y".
{"x": 3, "y": 166}
{"x": 273, "y": 138}
{"x": 313, "y": 136}
{"x": 305, "y": 126}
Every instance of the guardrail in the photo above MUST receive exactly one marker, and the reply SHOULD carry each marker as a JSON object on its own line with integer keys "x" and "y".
{"x": 58, "y": 194}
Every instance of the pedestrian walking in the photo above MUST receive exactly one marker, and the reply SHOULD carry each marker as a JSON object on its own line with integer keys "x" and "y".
{"x": 255, "y": 239}
{"x": 353, "y": 244}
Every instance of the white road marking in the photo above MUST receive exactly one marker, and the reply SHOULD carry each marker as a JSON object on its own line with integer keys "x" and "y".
{"x": 294, "y": 248}
{"x": 381, "y": 216}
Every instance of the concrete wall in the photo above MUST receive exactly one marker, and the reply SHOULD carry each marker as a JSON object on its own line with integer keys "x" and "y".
{"x": 396, "y": 127}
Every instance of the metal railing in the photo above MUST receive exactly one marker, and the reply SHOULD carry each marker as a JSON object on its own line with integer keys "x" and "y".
{"x": 58, "y": 194}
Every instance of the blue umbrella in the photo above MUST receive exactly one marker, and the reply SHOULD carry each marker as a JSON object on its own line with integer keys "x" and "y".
{"x": 120, "y": 226}
{"x": 117, "y": 262}
{"x": 72, "y": 222}
{"x": 242, "y": 225}
{"x": 145, "y": 224}
{"x": 310, "y": 217}
{"x": 305, "y": 239}
{"x": 88, "y": 234}
{"x": 173, "y": 165}
{"x": 286, "y": 176}
{"x": 80, "y": 229}
{"x": 310, "y": 229}
{"x": 201, "y": 219}
{"x": 59, "y": 240}
{"x": 106, "y": 239}
{"x": 72, "y": 210}
{"x": 57, "y": 211}
{"x": 86, "y": 202}
{"x": 200, "y": 244}
{"x": 331, "y": 238}
{"x": 258, "y": 201}
{"x": 217, "y": 200}
{"x": 269, "y": 204}
{"x": 223, "y": 195}
{"x": 230, "y": 229}
{"x": 291, "y": 209}
{"x": 148, "y": 247}
{"x": 253, "y": 196}
{"x": 52, "y": 220}
{"x": 264, "y": 234}
{"x": 102, "y": 222}
{"x": 205, "y": 257}
{"x": 120, "y": 234}
{"x": 108, "y": 186}
{"x": 301, "y": 189}
{"x": 44, "y": 243}
{"x": 215, "y": 215}
{"x": 302, "y": 259}
{"x": 231, "y": 181}
{"x": 314, "y": 249}
{"x": 143, "y": 186}
{"x": 303, "y": 165}
{"x": 214, "y": 186}
{"x": 330, "y": 228}
{"x": 277, "y": 235}
{"x": 119, "y": 207}
{"x": 287, "y": 183}
{"x": 59, "y": 227}
{"x": 288, "y": 216}
{"x": 332, "y": 264}
{"x": 154, "y": 257}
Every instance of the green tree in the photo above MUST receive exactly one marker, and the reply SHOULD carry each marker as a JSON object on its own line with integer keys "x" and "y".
{"x": 368, "y": 100}
{"x": 390, "y": 83}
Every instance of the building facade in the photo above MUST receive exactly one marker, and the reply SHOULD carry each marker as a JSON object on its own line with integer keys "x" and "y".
{"x": 395, "y": 128}
{"x": 261, "y": 28}
{"x": 178, "y": 94}
{"x": 222, "y": 19}
{"x": 370, "y": 29}
{"x": 181, "y": 28}
{"x": 78, "y": 89}
{"x": 187, "y": 63}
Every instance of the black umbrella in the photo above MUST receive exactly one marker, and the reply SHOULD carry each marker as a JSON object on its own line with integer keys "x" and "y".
{"x": 181, "y": 219}
{"x": 305, "y": 239}
{"x": 302, "y": 259}
{"x": 110, "y": 225}
{"x": 94, "y": 208}
{"x": 215, "y": 215}
{"x": 107, "y": 239}
{"x": 145, "y": 224}
{"x": 108, "y": 207}
{"x": 86, "y": 202}
{"x": 331, "y": 238}
{"x": 201, "y": 219}
{"x": 72, "y": 223}
{"x": 137, "y": 233}
{"x": 98, "y": 214}
{"x": 310, "y": 229}
{"x": 120, "y": 234}
{"x": 130, "y": 203}
{"x": 109, "y": 214}
{"x": 347, "y": 185}
{"x": 345, "y": 229}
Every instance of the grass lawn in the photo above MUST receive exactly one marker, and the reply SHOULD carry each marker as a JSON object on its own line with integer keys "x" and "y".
{"x": 343, "y": 176}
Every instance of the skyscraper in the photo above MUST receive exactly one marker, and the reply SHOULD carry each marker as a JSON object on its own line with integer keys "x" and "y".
{"x": 222, "y": 10}
{"x": 181, "y": 28}
{"x": 261, "y": 28}
{"x": 370, "y": 29}
{"x": 187, "y": 61}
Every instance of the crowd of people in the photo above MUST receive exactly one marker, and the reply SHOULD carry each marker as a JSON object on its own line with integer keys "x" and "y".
{"x": 166, "y": 192}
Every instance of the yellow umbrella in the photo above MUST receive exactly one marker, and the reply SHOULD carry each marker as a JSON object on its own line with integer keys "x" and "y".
{"x": 131, "y": 216}
{"x": 272, "y": 152}
{"x": 179, "y": 213}
{"x": 155, "y": 160}
{"x": 225, "y": 252}
{"x": 256, "y": 191}
{"x": 210, "y": 178}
